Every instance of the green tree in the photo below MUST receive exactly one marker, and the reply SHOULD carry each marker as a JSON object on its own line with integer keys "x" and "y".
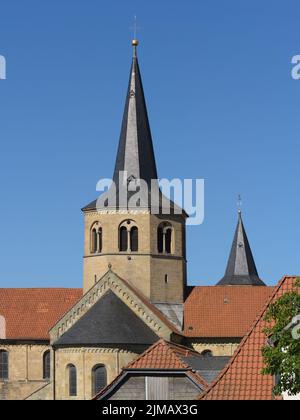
{"x": 282, "y": 354}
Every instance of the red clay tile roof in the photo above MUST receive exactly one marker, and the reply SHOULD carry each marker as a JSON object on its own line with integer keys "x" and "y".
{"x": 241, "y": 379}
{"x": 162, "y": 355}
{"x": 30, "y": 313}
{"x": 223, "y": 311}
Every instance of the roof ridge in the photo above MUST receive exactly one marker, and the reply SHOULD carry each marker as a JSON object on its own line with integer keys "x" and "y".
{"x": 160, "y": 342}
{"x": 172, "y": 349}
{"x": 191, "y": 373}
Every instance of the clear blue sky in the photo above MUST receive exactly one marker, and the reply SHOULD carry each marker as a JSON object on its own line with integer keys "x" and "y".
{"x": 222, "y": 106}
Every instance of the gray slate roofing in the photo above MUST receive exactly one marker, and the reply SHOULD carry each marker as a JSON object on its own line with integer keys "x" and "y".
{"x": 135, "y": 156}
{"x": 241, "y": 269}
{"x": 206, "y": 362}
{"x": 109, "y": 321}
{"x": 135, "y": 153}
{"x": 207, "y": 367}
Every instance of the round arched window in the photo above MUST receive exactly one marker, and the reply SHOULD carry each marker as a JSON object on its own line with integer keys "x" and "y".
{"x": 99, "y": 378}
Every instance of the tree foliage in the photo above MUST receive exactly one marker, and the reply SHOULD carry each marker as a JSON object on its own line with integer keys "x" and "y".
{"x": 282, "y": 354}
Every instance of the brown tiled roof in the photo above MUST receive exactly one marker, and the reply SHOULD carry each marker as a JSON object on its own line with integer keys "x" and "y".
{"x": 30, "y": 313}
{"x": 223, "y": 311}
{"x": 162, "y": 355}
{"x": 241, "y": 379}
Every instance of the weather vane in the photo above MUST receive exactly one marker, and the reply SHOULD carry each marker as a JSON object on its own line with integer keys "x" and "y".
{"x": 239, "y": 203}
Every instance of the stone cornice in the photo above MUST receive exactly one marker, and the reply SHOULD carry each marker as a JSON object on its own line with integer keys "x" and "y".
{"x": 114, "y": 211}
{"x": 95, "y": 350}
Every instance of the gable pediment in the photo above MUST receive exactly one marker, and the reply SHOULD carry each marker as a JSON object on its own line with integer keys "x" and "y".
{"x": 108, "y": 321}
{"x": 126, "y": 295}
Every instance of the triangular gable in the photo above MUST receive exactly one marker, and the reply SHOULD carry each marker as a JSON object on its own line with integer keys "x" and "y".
{"x": 241, "y": 379}
{"x": 161, "y": 356}
{"x": 109, "y": 321}
{"x": 133, "y": 299}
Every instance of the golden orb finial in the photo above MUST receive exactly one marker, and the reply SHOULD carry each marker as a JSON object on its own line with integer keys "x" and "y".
{"x": 135, "y": 42}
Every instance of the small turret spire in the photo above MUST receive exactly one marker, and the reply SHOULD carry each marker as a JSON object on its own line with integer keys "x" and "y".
{"x": 241, "y": 269}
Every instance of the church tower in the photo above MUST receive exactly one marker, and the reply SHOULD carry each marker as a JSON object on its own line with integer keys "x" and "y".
{"x": 145, "y": 248}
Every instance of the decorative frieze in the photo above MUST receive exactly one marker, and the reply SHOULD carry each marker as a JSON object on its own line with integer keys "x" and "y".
{"x": 95, "y": 350}
{"x": 109, "y": 281}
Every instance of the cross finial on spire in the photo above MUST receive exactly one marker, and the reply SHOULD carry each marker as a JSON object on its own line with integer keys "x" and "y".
{"x": 239, "y": 203}
{"x": 135, "y": 28}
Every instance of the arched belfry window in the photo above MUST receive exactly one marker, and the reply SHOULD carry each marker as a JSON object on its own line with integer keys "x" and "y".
{"x": 165, "y": 238}
{"x": 128, "y": 237}
{"x": 123, "y": 240}
{"x": 100, "y": 239}
{"x": 72, "y": 380}
{"x": 168, "y": 240}
{"x": 3, "y": 365}
{"x": 99, "y": 378}
{"x": 46, "y": 365}
{"x": 134, "y": 239}
{"x": 160, "y": 239}
{"x": 96, "y": 239}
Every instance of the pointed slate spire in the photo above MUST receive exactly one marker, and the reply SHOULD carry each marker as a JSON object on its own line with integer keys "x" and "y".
{"x": 135, "y": 159}
{"x": 135, "y": 153}
{"x": 241, "y": 269}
